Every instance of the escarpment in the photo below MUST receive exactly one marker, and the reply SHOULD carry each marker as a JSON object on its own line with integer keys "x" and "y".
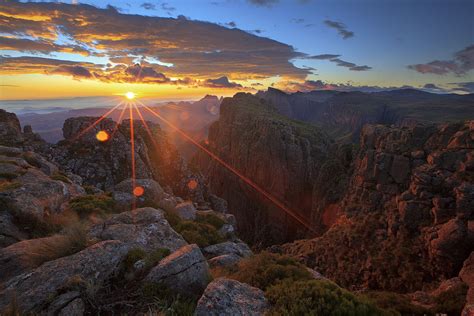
{"x": 280, "y": 155}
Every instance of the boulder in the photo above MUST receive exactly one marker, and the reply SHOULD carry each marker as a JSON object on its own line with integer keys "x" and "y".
{"x": 224, "y": 260}
{"x": 34, "y": 290}
{"x": 145, "y": 227}
{"x": 229, "y": 247}
{"x": 184, "y": 271}
{"x": 229, "y": 297}
{"x": 467, "y": 276}
{"x": 74, "y": 308}
{"x": 186, "y": 210}
{"x": 152, "y": 192}
{"x": 400, "y": 168}
{"x": 10, "y": 129}
{"x": 218, "y": 204}
{"x": 9, "y": 232}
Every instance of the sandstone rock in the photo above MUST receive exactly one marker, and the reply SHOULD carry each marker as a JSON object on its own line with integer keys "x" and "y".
{"x": 186, "y": 210}
{"x": 450, "y": 243}
{"x": 144, "y": 227}
{"x": 123, "y": 192}
{"x": 224, "y": 260}
{"x": 467, "y": 275}
{"x": 239, "y": 248}
{"x": 230, "y": 297}
{"x": 185, "y": 271}
{"x": 400, "y": 168}
{"x": 34, "y": 290}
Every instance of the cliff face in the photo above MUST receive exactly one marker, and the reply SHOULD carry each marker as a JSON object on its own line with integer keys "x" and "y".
{"x": 280, "y": 155}
{"x": 408, "y": 213}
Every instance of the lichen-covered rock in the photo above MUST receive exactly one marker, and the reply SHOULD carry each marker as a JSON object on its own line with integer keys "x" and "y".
{"x": 152, "y": 193}
{"x": 229, "y": 297}
{"x": 224, "y": 260}
{"x": 229, "y": 247}
{"x": 184, "y": 271}
{"x": 145, "y": 227}
{"x": 34, "y": 290}
{"x": 186, "y": 210}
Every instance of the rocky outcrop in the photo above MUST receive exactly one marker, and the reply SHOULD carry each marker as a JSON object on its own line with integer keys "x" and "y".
{"x": 467, "y": 276}
{"x": 237, "y": 247}
{"x": 280, "y": 155}
{"x": 230, "y": 297}
{"x": 35, "y": 290}
{"x": 11, "y": 134}
{"x": 185, "y": 271}
{"x": 409, "y": 199}
{"x": 151, "y": 193}
{"x": 144, "y": 228}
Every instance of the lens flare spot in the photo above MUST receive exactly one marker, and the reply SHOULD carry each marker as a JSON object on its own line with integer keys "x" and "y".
{"x": 192, "y": 184}
{"x": 138, "y": 191}
{"x": 130, "y": 95}
{"x": 102, "y": 136}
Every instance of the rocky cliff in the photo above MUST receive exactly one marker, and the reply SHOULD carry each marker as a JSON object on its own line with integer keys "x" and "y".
{"x": 283, "y": 156}
{"x": 408, "y": 213}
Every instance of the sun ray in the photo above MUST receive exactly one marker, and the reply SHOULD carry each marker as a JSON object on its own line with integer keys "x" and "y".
{"x": 132, "y": 144}
{"x": 293, "y": 214}
{"x": 118, "y": 121}
{"x": 100, "y": 119}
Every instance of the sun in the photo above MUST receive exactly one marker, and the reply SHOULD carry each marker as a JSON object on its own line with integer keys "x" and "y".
{"x": 130, "y": 95}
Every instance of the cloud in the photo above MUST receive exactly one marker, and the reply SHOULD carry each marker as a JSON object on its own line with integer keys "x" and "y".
{"x": 77, "y": 72}
{"x": 195, "y": 49}
{"x": 349, "y": 65}
{"x": 263, "y": 3}
{"x": 167, "y": 7}
{"x": 312, "y": 85}
{"x": 148, "y": 6}
{"x": 231, "y": 24}
{"x": 39, "y": 46}
{"x": 222, "y": 82}
{"x": 467, "y": 87}
{"x": 340, "y": 27}
{"x": 297, "y": 21}
{"x": 323, "y": 56}
{"x": 462, "y": 62}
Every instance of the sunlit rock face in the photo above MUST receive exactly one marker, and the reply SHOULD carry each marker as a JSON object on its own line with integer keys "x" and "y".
{"x": 12, "y": 135}
{"x": 282, "y": 156}
{"x": 407, "y": 215}
{"x": 106, "y": 161}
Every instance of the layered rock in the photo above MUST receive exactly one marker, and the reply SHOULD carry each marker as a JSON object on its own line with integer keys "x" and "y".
{"x": 280, "y": 155}
{"x": 409, "y": 199}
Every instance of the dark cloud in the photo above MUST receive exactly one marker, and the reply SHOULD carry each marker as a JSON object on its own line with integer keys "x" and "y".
{"x": 340, "y": 27}
{"x": 39, "y": 46}
{"x": 263, "y": 3}
{"x": 77, "y": 72}
{"x": 311, "y": 85}
{"x": 231, "y": 24}
{"x": 350, "y": 65}
{"x": 222, "y": 82}
{"x": 462, "y": 62}
{"x": 467, "y": 87}
{"x": 195, "y": 49}
{"x": 323, "y": 56}
{"x": 167, "y": 7}
{"x": 360, "y": 68}
{"x": 297, "y": 21}
{"x": 148, "y": 6}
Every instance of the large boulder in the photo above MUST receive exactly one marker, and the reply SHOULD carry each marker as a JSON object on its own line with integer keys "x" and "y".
{"x": 467, "y": 276}
{"x": 224, "y": 260}
{"x": 152, "y": 192}
{"x": 184, "y": 271}
{"x": 10, "y": 129}
{"x": 229, "y": 297}
{"x": 229, "y": 247}
{"x": 145, "y": 227}
{"x": 186, "y": 210}
{"x": 36, "y": 289}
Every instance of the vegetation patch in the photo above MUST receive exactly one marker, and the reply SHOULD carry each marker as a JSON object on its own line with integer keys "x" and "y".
{"x": 318, "y": 297}
{"x": 166, "y": 302}
{"x": 9, "y": 185}
{"x": 202, "y": 234}
{"x": 87, "y": 205}
{"x": 59, "y": 176}
{"x": 8, "y": 175}
{"x": 395, "y": 302}
{"x": 32, "y": 159}
{"x": 211, "y": 219}
{"x": 452, "y": 301}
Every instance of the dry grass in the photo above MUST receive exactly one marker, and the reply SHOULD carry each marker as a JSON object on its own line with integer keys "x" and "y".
{"x": 73, "y": 240}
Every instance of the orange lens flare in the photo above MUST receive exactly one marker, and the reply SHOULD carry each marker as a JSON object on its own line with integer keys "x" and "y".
{"x": 138, "y": 191}
{"x": 192, "y": 184}
{"x": 102, "y": 136}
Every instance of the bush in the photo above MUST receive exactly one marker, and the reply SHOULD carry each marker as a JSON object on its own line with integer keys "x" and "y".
{"x": 452, "y": 301}
{"x": 211, "y": 219}
{"x": 89, "y": 204}
{"x": 9, "y": 185}
{"x": 317, "y": 297}
{"x": 267, "y": 269}
{"x": 57, "y": 246}
{"x": 396, "y": 302}
{"x": 151, "y": 258}
{"x": 165, "y": 302}
{"x": 133, "y": 255}
{"x": 201, "y": 234}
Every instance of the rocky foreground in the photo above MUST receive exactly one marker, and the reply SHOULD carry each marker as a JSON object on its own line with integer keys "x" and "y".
{"x": 72, "y": 244}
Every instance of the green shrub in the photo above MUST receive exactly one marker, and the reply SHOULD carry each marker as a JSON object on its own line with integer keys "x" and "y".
{"x": 452, "y": 301}
{"x": 133, "y": 256}
{"x": 92, "y": 204}
{"x": 151, "y": 258}
{"x": 267, "y": 269}
{"x": 60, "y": 177}
{"x": 317, "y": 297}
{"x": 211, "y": 219}
{"x": 396, "y": 302}
{"x": 165, "y": 302}
{"x": 156, "y": 256}
{"x": 201, "y": 234}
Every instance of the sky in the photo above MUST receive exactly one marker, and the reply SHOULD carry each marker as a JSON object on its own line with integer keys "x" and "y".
{"x": 186, "y": 49}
